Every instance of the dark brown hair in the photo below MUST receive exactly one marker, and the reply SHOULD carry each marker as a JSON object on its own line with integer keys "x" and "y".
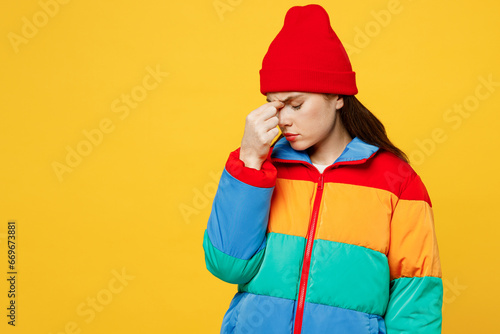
{"x": 360, "y": 122}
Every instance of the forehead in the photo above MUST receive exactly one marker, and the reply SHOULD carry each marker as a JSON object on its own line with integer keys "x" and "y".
{"x": 284, "y": 96}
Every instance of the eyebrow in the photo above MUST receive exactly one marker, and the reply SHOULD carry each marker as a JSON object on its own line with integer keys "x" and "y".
{"x": 288, "y": 98}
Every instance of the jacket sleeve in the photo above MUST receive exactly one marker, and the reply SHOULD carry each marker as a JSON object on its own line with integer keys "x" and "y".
{"x": 416, "y": 288}
{"x": 235, "y": 237}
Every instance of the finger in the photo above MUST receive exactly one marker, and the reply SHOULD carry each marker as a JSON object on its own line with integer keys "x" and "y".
{"x": 271, "y": 122}
{"x": 276, "y": 103}
{"x": 269, "y": 112}
{"x": 272, "y": 134}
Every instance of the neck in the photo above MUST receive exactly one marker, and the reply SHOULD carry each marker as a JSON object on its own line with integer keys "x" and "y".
{"x": 329, "y": 149}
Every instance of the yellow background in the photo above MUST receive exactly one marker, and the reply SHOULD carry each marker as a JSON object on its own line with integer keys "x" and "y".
{"x": 138, "y": 202}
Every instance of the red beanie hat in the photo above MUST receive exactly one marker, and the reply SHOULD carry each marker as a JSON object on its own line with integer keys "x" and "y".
{"x": 307, "y": 56}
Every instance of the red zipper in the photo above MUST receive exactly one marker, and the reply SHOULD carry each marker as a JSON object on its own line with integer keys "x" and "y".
{"x": 310, "y": 237}
{"x": 307, "y": 258}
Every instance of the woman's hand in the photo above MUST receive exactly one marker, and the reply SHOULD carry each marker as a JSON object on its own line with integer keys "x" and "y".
{"x": 260, "y": 130}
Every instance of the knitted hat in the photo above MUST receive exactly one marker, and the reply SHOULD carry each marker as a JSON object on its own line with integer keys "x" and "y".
{"x": 307, "y": 56}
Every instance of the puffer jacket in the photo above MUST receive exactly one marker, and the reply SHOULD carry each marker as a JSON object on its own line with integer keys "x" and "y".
{"x": 351, "y": 250}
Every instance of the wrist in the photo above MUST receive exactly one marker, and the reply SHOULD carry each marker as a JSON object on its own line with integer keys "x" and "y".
{"x": 251, "y": 162}
{"x": 263, "y": 176}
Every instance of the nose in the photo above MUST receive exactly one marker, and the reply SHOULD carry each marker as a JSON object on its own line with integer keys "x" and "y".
{"x": 284, "y": 119}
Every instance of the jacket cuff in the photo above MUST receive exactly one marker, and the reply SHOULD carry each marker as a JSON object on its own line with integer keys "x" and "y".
{"x": 263, "y": 178}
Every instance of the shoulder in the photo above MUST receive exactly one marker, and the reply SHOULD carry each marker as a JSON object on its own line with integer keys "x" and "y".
{"x": 398, "y": 176}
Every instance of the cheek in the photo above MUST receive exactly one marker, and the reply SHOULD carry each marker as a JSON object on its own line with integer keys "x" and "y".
{"x": 321, "y": 120}
{"x": 314, "y": 121}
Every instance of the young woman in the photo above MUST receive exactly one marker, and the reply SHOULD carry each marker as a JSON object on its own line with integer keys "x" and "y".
{"x": 329, "y": 229}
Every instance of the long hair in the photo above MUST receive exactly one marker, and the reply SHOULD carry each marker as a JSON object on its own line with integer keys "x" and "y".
{"x": 360, "y": 122}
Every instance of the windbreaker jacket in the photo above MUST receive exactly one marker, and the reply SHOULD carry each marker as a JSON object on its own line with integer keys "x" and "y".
{"x": 351, "y": 250}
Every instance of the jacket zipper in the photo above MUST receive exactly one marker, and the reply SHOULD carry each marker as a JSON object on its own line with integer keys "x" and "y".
{"x": 310, "y": 237}
{"x": 307, "y": 257}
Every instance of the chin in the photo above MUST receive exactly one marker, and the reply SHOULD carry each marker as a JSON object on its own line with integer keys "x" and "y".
{"x": 299, "y": 146}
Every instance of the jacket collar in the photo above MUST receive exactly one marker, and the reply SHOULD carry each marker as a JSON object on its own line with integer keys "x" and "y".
{"x": 356, "y": 150}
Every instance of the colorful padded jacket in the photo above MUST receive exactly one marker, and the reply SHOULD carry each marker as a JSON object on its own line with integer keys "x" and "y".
{"x": 351, "y": 250}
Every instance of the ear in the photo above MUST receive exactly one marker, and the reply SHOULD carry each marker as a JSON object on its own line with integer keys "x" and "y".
{"x": 339, "y": 103}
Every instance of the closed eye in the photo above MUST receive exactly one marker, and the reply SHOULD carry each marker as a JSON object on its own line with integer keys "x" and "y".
{"x": 297, "y": 107}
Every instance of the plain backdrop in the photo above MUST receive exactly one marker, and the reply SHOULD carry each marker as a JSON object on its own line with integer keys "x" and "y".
{"x": 118, "y": 116}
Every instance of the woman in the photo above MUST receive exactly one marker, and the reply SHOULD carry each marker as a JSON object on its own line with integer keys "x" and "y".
{"x": 328, "y": 230}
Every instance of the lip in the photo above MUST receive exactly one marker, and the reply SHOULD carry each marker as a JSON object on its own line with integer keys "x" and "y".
{"x": 290, "y": 136}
